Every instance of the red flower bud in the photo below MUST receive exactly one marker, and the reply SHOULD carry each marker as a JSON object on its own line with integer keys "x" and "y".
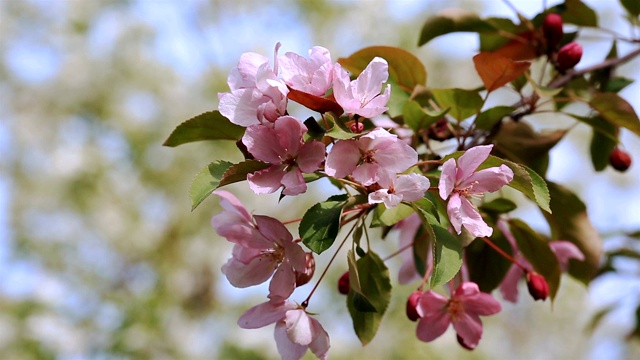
{"x": 310, "y": 268}
{"x": 552, "y": 30}
{"x": 412, "y": 305}
{"x": 620, "y": 159}
{"x": 343, "y": 284}
{"x": 357, "y": 128}
{"x": 568, "y": 56}
{"x": 538, "y": 287}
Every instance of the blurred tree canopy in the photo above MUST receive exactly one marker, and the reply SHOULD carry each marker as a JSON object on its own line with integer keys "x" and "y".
{"x": 99, "y": 254}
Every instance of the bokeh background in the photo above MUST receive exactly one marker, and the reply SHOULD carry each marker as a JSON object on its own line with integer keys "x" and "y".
{"x": 100, "y": 256}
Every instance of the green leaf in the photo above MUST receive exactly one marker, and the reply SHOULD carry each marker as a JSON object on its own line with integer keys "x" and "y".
{"x": 389, "y": 217}
{"x": 576, "y": 12}
{"x": 517, "y": 141}
{"x": 617, "y": 83}
{"x": 452, "y": 20}
{"x": 616, "y": 110}
{"x": 488, "y": 118}
{"x": 360, "y": 301}
{"x": 418, "y": 118}
{"x": 375, "y": 287}
{"x": 600, "y": 125}
{"x": 632, "y": 6}
{"x": 487, "y": 267}
{"x": 462, "y": 103}
{"x": 206, "y": 181}
{"x": 499, "y": 206}
{"x": 601, "y": 147}
{"x": 320, "y": 224}
{"x": 208, "y": 126}
{"x": 447, "y": 257}
{"x": 569, "y": 221}
{"x": 220, "y": 173}
{"x": 524, "y": 180}
{"x": 405, "y": 69}
{"x": 537, "y": 251}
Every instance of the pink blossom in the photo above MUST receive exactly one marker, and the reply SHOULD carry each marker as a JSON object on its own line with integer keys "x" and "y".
{"x": 295, "y": 330}
{"x": 373, "y": 156}
{"x": 262, "y": 247}
{"x": 564, "y": 251}
{"x": 257, "y": 95}
{"x": 313, "y": 76}
{"x": 462, "y": 310}
{"x": 362, "y": 95}
{"x": 283, "y": 147}
{"x": 409, "y": 187}
{"x": 460, "y": 181}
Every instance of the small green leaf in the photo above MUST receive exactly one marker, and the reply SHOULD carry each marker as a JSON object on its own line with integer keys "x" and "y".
{"x": 537, "y": 251}
{"x": 462, "y": 103}
{"x": 320, "y": 224}
{"x": 569, "y": 221}
{"x": 360, "y": 301}
{"x": 576, "y": 12}
{"x": 389, "y": 217}
{"x": 488, "y": 118}
{"x": 208, "y": 126}
{"x": 447, "y": 257}
{"x": 206, "y": 181}
{"x": 452, "y": 20}
{"x": 487, "y": 267}
{"x": 616, "y": 110}
{"x": 376, "y": 289}
{"x": 418, "y": 118}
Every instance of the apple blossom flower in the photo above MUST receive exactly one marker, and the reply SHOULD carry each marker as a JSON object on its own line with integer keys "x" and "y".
{"x": 371, "y": 157}
{"x": 460, "y": 181}
{"x": 313, "y": 76}
{"x": 564, "y": 251}
{"x": 262, "y": 247}
{"x": 257, "y": 95}
{"x": 283, "y": 147}
{"x": 409, "y": 187}
{"x": 295, "y": 330}
{"x": 362, "y": 95}
{"x": 462, "y": 310}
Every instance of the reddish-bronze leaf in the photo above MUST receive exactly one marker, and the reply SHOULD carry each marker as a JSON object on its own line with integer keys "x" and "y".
{"x": 525, "y": 47}
{"x": 496, "y": 70}
{"x": 316, "y": 103}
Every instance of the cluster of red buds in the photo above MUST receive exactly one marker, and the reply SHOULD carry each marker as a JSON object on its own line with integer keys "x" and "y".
{"x": 570, "y": 54}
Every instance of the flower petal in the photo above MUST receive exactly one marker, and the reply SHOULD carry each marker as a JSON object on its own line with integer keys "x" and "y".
{"x": 321, "y": 344}
{"x": 412, "y": 187}
{"x": 509, "y": 285}
{"x": 431, "y": 303}
{"x": 262, "y": 142}
{"x": 470, "y": 160}
{"x": 488, "y": 180}
{"x": 266, "y": 181}
{"x": 311, "y": 156}
{"x": 264, "y": 314}
{"x": 431, "y": 327}
{"x": 242, "y": 275}
{"x": 273, "y": 229}
{"x": 469, "y": 328}
{"x": 342, "y": 159}
{"x": 447, "y": 179}
{"x": 369, "y": 82}
{"x": 564, "y": 251}
{"x": 454, "y": 211}
{"x": 241, "y": 106}
{"x": 286, "y": 348}
{"x": 283, "y": 283}
{"x": 299, "y": 327}
{"x": 472, "y": 220}
{"x": 293, "y": 182}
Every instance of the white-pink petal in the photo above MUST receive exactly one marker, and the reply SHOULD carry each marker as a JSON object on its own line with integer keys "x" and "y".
{"x": 342, "y": 159}
{"x": 287, "y": 349}
{"x": 470, "y": 160}
{"x": 264, "y": 314}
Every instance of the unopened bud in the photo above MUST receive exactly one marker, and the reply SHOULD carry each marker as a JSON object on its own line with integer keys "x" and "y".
{"x": 412, "y": 305}
{"x": 620, "y": 159}
{"x": 538, "y": 287}
{"x": 568, "y": 56}
{"x": 343, "y": 284}
{"x": 357, "y": 127}
{"x": 552, "y": 30}
{"x": 439, "y": 130}
{"x": 310, "y": 267}
{"x": 463, "y": 344}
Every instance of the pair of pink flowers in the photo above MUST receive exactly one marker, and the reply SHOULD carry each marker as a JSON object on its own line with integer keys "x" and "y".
{"x": 264, "y": 248}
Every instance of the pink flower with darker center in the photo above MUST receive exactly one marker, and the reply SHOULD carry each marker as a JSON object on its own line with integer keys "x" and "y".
{"x": 362, "y": 95}
{"x": 295, "y": 330}
{"x": 263, "y": 247}
{"x": 313, "y": 76}
{"x": 409, "y": 188}
{"x": 463, "y": 310}
{"x": 460, "y": 181}
{"x": 257, "y": 95}
{"x": 373, "y": 156}
{"x": 284, "y": 148}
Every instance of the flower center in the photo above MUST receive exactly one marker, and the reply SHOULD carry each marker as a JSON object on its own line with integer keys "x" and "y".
{"x": 367, "y": 156}
{"x": 466, "y": 192}
{"x": 455, "y": 309}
